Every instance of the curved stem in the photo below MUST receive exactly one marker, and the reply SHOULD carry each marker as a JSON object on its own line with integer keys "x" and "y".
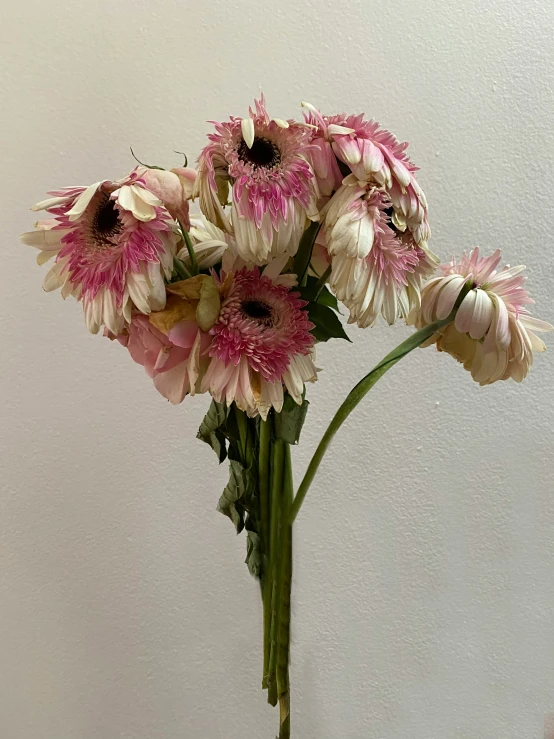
{"x": 355, "y": 396}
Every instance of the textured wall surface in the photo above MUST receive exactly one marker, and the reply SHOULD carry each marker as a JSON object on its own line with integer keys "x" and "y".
{"x": 424, "y": 556}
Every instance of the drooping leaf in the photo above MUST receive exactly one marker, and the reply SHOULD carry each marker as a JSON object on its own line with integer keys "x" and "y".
{"x": 235, "y": 494}
{"x": 327, "y": 324}
{"x": 212, "y": 429}
{"x": 288, "y": 424}
{"x": 253, "y": 554}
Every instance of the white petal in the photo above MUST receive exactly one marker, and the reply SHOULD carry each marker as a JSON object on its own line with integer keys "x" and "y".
{"x": 50, "y": 202}
{"x": 80, "y": 205}
{"x": 336, "y": 130}
{"x": 281, "y": 123}
{"x": 482, "y": 315}
{"x": 448, "y": 297}
{"x": 535, "y": 324}
{"x": 247, "y": 128}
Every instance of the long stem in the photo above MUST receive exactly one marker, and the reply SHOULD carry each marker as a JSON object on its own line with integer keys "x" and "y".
{"x": 355, "y": 396}
{"x": 285, "y": 584}
{"x": 267, "y": 582}
{"x": 277, "y": 460}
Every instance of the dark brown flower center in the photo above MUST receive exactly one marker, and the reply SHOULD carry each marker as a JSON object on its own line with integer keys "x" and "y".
{"x": 106, "y": 223}
{"x": 258, "y": 311}
{"x": 262, "y": 153}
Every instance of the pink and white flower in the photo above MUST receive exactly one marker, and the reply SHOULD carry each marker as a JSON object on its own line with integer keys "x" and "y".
{"x": 375, "y": 269}
{"x": 373, "y": 155}
{"x": 273, "y": 187}
{"x": 262, "y": 343}
{"x": 174, "y": 361}
{"x": 113, "y": 244}
{"x": 493, "y": 334}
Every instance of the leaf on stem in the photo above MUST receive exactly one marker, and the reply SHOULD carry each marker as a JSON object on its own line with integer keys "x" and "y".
{"x": 238, "y": 492}
{"x": 288, "y": 424}
{"x": 211, "y": 429}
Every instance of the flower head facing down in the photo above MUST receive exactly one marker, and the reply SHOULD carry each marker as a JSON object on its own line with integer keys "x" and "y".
{"x": 173, "y": 359}
{"x": 263, "y": 161}
{"x": 113, "y": 244}
{"x": 261, "y": 342}
{"x": 493, "y": 333}
{"x": 373, "y": 155}
{"x": 376, "y": 269}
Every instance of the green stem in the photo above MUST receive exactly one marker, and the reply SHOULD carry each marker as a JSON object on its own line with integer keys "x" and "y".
{"x": 190, "y": 249}
{"x": 355, "y": 396}
{"x": 267, "y": 582}
{"x": 180, "y": 270}
{"x": 285, "y": 584}
{"x": 277, "y": 460}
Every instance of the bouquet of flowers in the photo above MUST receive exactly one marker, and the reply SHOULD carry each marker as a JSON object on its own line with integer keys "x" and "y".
{"x": 293, "y": 218}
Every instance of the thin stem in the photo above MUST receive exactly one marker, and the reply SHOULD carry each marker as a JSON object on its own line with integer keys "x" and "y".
{"x": 190, "y": 249}
{"x": 355, "y": 396}
{"x": 180, "y": 270}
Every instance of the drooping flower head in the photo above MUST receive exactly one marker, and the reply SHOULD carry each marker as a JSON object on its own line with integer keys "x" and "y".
{"x": 173, "y": 359}
{"x": 492, "y": 334}
{"x": 113, "y": 244}
{"x": 375, "y": 269}
{"x": 263, "y": 161}
{"x": 261, "y": 342}
{"x": 373, "y": 155}
{"x": 375, "y": 223}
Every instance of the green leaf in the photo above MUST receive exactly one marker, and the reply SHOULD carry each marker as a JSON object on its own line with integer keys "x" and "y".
{"x": 288, "y": 424}
{"x": 358, "y": 392}
{"x": 234, "y": 499}
{"x": 305, "y": 248}
{"x": 253, "y": 554}
{"x": 326, "y": 323}
{"x": 327, "y": 298}
{"x": 212, "y": 429}
{"x": 315, "y": 294}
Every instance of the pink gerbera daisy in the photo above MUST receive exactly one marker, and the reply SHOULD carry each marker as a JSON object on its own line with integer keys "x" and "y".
{"x": 492, "y": 334}
{"x": 374, "y": 268}
{"x": 273, "y": 187}
{"x": 261, "y": 342}
{"x": 113, "y": 244}
{"x": 373, "y": 155}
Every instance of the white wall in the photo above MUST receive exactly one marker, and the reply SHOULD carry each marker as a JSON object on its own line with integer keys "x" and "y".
{"x": 424, "y": 582}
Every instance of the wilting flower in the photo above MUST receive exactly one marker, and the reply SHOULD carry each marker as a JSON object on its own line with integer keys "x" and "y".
{"x": 263, "y": 159}
{"x": 261, "y": 342}
{"x": 113, "y": 244}
{"x": 492, "y": 334}
{"x": 209, "y": 243}
{"x": 174, "y": 188}
{"x": 375, "y": 268}
{"x": 373, "y": 155}
{"x": 174, "y": 360}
